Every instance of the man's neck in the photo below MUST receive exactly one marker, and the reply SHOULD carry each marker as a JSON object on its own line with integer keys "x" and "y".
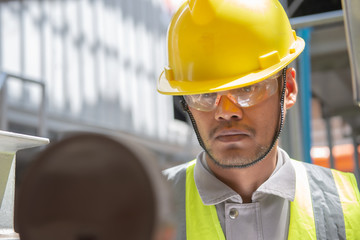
{"x": 245, "y": 181}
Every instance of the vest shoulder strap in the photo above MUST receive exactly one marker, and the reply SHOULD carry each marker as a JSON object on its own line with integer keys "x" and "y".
{"x": 350, "y": 202}
{"x": 202, "y": 221}
{"x": 302, "y": 222}
{"x": 195, "y": 220}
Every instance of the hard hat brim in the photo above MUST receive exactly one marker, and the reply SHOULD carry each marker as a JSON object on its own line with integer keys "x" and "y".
{"x": 188, "y": 87}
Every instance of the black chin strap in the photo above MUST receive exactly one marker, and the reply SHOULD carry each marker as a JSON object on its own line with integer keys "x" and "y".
{"x": 276, "y": 135}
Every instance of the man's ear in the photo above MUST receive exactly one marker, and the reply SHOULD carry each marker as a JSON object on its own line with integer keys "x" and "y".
{"x": 291, "y": 88}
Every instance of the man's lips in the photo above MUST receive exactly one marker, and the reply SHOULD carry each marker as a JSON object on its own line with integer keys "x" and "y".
{"x": 231, "y": 135}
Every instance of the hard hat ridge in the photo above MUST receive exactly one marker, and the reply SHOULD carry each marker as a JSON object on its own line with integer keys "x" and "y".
{"x": 217, "y": 45}
{"x": 202, "y": 11}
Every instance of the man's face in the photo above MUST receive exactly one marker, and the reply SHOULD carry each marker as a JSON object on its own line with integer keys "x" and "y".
{"x": 235, "y": 135}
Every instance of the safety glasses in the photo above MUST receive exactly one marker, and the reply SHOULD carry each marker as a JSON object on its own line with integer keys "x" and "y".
{"x": 244, "y": 97}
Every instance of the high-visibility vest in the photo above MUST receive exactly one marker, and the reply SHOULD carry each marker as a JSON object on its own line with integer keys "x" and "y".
{"x": 326, "y": 205}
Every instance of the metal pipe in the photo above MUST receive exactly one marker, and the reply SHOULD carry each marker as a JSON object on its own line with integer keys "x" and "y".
{"x": 25, "y": 79}
{"x": 356, "y": 159}
{"x": 3, "y": 101}
{"x": 305, "y": 93}
{"x": 80, "y": 51}
{"x": 42, "y": 129}
{"x": 317, "y": 19}
{"x": 63, "y": 36}
{"x": 294, "y": 6}
{"x": 3, "y": 104}
{"x": 330, "y": 142}
{"x": 24, "y": 90}
{"x": 42, "y": 41}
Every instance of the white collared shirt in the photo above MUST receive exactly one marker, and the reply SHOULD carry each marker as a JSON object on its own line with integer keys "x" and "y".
{"x": 267, "y": 217}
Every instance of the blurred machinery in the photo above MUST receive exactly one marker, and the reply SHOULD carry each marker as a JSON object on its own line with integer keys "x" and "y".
{"x": 327, "y": 116}
{"x": 10, "y": 143}
{"x": 352, "y": 25}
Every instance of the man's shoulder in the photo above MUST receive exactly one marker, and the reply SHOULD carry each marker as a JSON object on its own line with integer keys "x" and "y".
{"x": 173, "y": 172}
{"x": 176, "y": 172}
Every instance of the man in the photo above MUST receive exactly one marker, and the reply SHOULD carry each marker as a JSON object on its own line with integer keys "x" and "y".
{"x": 228, "y": 59}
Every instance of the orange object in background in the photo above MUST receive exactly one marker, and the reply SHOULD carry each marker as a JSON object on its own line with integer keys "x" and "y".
{"x": 343, "y": 157}
{"x": 320, "y": 156}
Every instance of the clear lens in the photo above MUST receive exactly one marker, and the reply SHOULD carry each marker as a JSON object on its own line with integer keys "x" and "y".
{"x": 244, "y": 97}
{"x": 202, "y": 102}
{"x": 256, "y": 93}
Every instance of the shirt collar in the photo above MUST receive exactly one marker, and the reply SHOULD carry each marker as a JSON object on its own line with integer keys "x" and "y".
{"x": 213, "y": 191}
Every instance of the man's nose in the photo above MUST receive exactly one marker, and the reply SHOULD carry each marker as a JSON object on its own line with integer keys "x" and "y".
{"x": 227, "y": 110}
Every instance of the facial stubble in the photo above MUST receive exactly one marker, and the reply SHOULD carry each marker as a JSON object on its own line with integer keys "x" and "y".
{"x": 234, "y": 156}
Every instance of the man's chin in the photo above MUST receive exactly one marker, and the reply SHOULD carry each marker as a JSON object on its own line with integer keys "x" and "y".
{"x": 232, "y": 160}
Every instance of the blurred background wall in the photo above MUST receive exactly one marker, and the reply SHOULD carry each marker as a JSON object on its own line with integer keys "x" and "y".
{"x": 89, "y": 65}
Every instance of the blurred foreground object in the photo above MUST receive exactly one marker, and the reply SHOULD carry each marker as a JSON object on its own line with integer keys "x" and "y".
{"x": 92, "y": 187}
{"x": 352, "y": 26}
{"x": 10, "y": 143}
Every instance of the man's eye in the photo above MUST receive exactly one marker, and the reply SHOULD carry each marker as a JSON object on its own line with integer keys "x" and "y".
{"x": 248, "y": 89}
{"x": 208, "y": 95}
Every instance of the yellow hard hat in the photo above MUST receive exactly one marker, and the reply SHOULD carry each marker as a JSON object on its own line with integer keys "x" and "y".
{"x": 217, "y": 45}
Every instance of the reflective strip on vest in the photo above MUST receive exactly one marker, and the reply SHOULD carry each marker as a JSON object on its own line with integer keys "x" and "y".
{"x": 302, "y": 223}
{"x": 350, "y": 202}
{"x": 328, "y": 214}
